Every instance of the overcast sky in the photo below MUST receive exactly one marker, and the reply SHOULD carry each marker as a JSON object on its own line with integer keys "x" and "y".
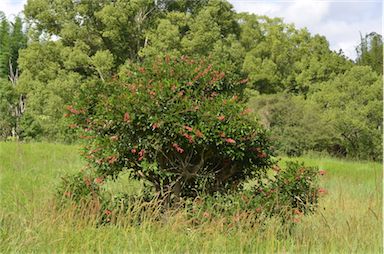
{"x": 341, "y": 21}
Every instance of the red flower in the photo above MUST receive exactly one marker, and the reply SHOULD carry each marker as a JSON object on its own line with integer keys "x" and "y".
{"x": 87, "y": 181}
{"x": 141, "y": 69}
{"x": 99, "y": 180}
{"x": 95, "y": 150}
{"x": 322, "y": 172}
{"x": 322, "y": 191}
{"x": 133, "y": 150}
{"x": 178, "y": 148}
{"x": 199, "y": 134}
{"x": 276, "y": 168}
{"x": 112, "y": 159}
{"x": 126, "y": 117}
{"x": 153, "y": 93}
{"x": 262, "y": 155}
{"x": 155, "y": 126}
{"x": 296, "y": 220}
{"x": 246, "y": 111}
{"x": 67, "y": 194}
{"x": 297, "y": 212}
{"x": 221, "y": 118}
{"x": 72, "y": 110}
{"x": 243, "y": 81}
{"x": 187, "y": 128}
{"x": 206, "y": 215}
{"x": 141, "y": 154}
{"x": 230, "y": 141}
{"x": 214, "y": 94}
{"x": 189, "y": 137}
{"x": 108, "y": 212}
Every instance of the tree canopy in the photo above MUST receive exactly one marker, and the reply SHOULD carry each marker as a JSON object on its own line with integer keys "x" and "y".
{"x": 71, "y": 43}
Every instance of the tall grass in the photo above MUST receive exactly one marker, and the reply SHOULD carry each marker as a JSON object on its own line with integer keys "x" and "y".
{"x": 349, "y": 218}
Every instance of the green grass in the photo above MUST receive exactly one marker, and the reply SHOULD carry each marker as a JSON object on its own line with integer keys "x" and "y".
{"x": 349, "y": 218}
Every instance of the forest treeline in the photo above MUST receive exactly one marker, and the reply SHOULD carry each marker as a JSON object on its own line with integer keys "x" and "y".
{"x": 309, "y": 97}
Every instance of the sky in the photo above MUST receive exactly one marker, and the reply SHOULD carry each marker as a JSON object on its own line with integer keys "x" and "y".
{"x": 340, "y": 21}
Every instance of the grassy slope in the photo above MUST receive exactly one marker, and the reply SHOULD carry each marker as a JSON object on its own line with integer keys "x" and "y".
{"x": 349, "y": 218}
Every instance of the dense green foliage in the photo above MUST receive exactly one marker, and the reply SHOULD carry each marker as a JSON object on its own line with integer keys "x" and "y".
{"x": 342, "y": 116}
{"x": 76, "y": 42}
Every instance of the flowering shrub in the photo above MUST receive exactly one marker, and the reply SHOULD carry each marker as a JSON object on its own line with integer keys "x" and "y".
{"x": 179, "y": 124}
{"x": 82, "y": 186}
{"x": 292, "y": 191}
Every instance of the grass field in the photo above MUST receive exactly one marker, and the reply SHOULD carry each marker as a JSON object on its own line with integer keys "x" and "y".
{"x": 349, "y": 218}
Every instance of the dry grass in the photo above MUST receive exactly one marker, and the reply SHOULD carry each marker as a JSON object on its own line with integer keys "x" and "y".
{"x": 349, "y": 219}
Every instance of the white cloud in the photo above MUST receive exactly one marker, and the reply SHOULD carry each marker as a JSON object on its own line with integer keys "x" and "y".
{"x": 12, "y": 7}
{"x": 306, "y": 13}
{"x": 341, "y": 22}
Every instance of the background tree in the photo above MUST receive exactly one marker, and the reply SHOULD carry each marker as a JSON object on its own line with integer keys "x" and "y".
{"x": 352, "y": 105}
{"x": 12, "y": 38}
{"x": 370, "y": 52}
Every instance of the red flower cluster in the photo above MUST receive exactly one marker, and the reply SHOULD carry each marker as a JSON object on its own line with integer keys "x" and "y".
{"x": 99, "y": 180}
{"x": 141, "y": 69}
{"x": 246, "y": 111}
{"x": 112, "y": 159}
{"x": 74, "y": 111}
{"x": 87, "y": 181}
{"x": 141, "y": 154}
{"x": 243, "y": 81}
{"x": 189, "y": 137}
{"x": 221, "y": 118}
{"x": 87, "y": 137}
{"x": 322, "y": 191}
{"x": 203, "y": 73}
{"x": 230, "y": 141}
{"x": 68, "y": 194}
{"x": 126, "y": 118}
{"x": 155, "y": 126}
{"x": 262, "y": 155}
{"x": 216, "y": 76}
{"x": 198, "y": 134}
{"x": 297, "y": 212}
{"x": 322, "y": 172}
{"x": 187, "y": 128}
{"x": 178, "y": 148}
